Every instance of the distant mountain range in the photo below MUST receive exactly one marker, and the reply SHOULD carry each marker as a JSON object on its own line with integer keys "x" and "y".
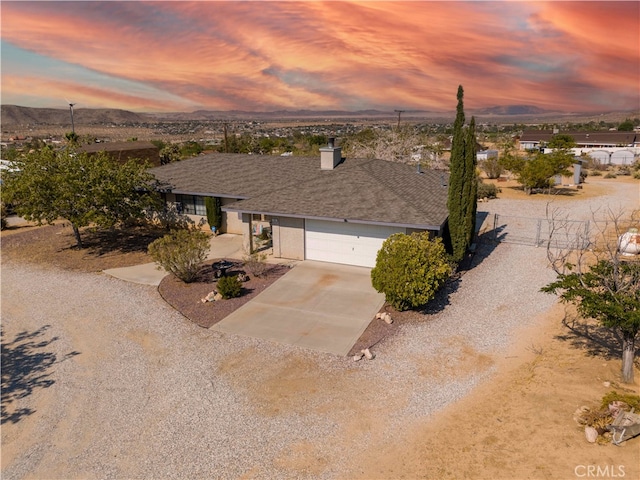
{"x": 14, "y": 115}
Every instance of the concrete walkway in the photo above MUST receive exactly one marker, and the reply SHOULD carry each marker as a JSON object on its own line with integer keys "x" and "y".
{"x": 222, "y": 246}
{"x": 316, "y": 305}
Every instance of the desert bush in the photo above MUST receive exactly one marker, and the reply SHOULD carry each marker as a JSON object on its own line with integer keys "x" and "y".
{"x": 3, "y": 216}
{"x": 636, "y": 175}
{"x": 595, "y": 173}
{"x": 623, "y": 170}
{"x": 410, "y": 269}
{"x": 610, "y": 175}
{"x": 492, "y": 167}
{"x": 181, "y": 252}
{"x": 633, "y": 401}
{"x": 487, "y": 190}
{"x": 229, "y": 287}
{"x": 256, "y": 264}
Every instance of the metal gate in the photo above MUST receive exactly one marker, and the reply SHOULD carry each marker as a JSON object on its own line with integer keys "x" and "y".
{"x": 540, "y": 231}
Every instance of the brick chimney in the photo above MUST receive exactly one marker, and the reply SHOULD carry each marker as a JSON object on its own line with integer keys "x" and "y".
{"x": 330, "y": 156}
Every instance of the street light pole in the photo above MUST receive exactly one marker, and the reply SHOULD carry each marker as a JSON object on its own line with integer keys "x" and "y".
{"x": 73, "y": 130}
{"x": 399, "y": 112}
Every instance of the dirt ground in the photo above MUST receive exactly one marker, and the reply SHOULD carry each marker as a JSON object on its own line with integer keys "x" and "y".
{"x": 517, "y": 425}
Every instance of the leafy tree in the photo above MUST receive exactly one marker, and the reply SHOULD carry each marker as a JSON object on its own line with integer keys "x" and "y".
{"x": 609, "y": 292}
{"x": 410, "y": 269}
{"x": 181, "y": 252}
{"x": 537, "y": 170}
{"x": 11, "y": 153}
{"x": 626, "y": 126}
{"x": 462, "y": 201}
{"x": 562, "y": 141}
{"x": 169, "y": 154}
{"x": 47, "y": 185}
{"x": 596, "y": 279}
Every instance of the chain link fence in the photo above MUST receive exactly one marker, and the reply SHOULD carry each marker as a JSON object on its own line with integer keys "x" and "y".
{"x": 538, "y": 232}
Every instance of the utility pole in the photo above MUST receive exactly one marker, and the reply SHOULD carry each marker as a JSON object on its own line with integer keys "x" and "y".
{"x": 399, "y": 112}
{"x": 73, "y": 130}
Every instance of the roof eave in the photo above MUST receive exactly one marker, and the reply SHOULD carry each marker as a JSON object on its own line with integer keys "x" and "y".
{"x": 420, "y": 226}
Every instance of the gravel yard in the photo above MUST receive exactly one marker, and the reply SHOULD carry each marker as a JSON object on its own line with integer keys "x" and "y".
{"x": 137, "y": 391}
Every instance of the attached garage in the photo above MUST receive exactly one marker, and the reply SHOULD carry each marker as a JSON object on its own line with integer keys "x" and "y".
{"x": 346, "y": 243}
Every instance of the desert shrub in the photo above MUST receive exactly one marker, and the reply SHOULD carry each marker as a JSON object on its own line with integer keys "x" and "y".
{"x": 610, "y": 175}
{"x": 487, "y": 190}
{"x": 636, "y": 175}
{"x": 256, "y": 264}
{"x": 229, "y": 287}
{"x": 492, "y": 167}
{"x": 633, "y": 401}
{"x": 410, "y": 269}
{"x": 181, "y": 252}
{"x": 3, "y": 216}
{"x": 595, "y": 173}
{"x": 623, "y": 170}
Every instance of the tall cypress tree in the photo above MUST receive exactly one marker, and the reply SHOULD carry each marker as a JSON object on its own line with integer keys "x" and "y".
{"x": 471, "y": 163}
{"x": 463, "y": 185}
{"x": 457, "y": 198}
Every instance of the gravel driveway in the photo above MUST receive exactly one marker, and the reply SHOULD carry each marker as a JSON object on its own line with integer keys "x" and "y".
{"x": 131, "y": 389}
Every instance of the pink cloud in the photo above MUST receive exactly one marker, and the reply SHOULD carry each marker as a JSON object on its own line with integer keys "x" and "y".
{"x": 268, "y": 55}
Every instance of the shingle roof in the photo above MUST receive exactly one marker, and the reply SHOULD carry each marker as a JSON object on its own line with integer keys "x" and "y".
{"x": 371, "y": 191}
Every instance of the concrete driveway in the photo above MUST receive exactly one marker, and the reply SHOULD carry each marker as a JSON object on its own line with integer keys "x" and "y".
{"x": 316, "y": 305}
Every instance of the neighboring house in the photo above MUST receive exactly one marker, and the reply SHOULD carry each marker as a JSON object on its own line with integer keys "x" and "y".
{"x": 616, "y": 148}
{"x": 534, "y": 139}
{"x": 329, "y": 209}
{"x": 124, "y": 151}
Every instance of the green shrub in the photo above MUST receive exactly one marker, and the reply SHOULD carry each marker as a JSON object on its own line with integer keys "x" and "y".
{"x": 636, "y": 175}
{"x": 410, "y": 269}
{"x": 630, "y": 399}
{"x": 487, "y": 190}
{"x": 229, "y": 287}
{"x": 3, "y": 216}
{"x": 214, "y": 212}
{"x": 181, "y": 252}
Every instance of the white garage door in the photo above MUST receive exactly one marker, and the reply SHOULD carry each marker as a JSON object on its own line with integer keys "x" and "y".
{"x": 348, "y": 243}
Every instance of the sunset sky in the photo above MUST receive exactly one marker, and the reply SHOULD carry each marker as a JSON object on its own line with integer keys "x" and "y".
{"x": 272, "y": 55}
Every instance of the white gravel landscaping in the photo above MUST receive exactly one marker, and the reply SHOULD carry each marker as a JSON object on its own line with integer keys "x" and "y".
{"x": 140, "y": 392}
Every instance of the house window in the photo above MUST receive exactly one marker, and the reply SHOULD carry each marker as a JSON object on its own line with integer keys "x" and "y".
{"x": 192, "y": 204}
